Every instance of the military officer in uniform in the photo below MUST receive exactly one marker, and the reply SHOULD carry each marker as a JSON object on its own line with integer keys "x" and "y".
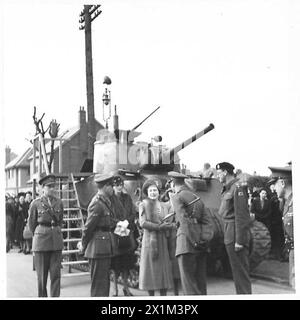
{"x": 235, "y": 214}
{"x": 45, "y": 221}
{"x": 192, "y": 263}
{"x": 96, "y": 236}
{"x": 282, "y": 180}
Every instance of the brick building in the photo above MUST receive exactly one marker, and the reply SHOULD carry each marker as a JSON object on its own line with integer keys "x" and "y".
{"x": 19, "y": 172}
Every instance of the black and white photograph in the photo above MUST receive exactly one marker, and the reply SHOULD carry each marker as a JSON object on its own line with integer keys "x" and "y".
{"x": 150, "y": 149}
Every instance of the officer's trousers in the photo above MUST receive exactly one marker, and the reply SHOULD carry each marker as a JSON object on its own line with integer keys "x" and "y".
{"x": 239, "y": 261}
{"x": 192, "y": 269}
{"x": 45, "y": 262}
{"x": 100, "y": 282}
{"x": 292, "y": 268}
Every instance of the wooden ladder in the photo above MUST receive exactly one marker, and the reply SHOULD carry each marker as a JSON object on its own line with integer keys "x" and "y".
{"x": 72, "y": 226}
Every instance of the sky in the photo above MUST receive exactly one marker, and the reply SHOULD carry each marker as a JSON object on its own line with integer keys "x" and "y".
{"x": 230, "y": 63}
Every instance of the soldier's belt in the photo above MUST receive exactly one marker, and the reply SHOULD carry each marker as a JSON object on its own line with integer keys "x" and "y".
{"x": 48, "y": 224}
{"x": 104, "y": 229}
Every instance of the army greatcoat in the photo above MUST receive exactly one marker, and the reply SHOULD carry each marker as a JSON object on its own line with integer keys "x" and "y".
{"x": 45, "y": 221}
{"x": 192, "y": 263}
{"x": 96, "y": 238}
{"x": 289, "y": 236}
{"x": 97, "y": 243}
{"x": 235, "y": 214}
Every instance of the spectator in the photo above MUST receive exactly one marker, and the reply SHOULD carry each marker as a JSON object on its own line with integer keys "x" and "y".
{"x": 261, "y": 207}
{"x": 22, "y": 215}
{"x": 207, "y": 171}
{"x": 27, "y": 237}
{"x": 155, "y": 265}
{"x": 10, "y": 212}
{"x": 238, "y": 173}
{"x": 276, "y": 229}
{"x": 28, "y": 197}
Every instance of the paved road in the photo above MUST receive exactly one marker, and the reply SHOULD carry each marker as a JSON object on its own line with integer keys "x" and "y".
{"x": 21, "y": 282}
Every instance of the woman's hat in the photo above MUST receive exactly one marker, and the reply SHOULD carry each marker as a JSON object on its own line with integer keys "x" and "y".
{"x": 148, "y": 183}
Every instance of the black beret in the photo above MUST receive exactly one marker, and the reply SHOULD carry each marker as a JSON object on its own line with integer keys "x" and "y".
{"x": 47, "y": 180}
{"x": 225, "y": 166}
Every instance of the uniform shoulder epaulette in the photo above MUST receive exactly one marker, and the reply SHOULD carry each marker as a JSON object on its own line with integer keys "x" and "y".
{"x": 95, "y": 198}
{"x": 36, "y": 199}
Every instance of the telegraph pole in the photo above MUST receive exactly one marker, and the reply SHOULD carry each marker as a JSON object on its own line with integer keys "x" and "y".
{"x": 89, "y": 13}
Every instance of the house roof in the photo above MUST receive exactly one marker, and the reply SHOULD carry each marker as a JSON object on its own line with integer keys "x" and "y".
{"x": 20, "y": 161}
{"x": 23, "y": 159}
{"x": 67, "y": 135}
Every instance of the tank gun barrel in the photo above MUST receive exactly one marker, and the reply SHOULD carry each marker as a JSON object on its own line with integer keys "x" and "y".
{"x": 187, "y": 142}
{"x": 144, "y": 119}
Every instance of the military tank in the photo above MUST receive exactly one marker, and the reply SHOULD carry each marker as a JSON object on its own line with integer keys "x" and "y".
{"x": 118, "y": 151}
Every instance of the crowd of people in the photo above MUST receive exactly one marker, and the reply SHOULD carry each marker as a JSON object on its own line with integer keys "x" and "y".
{"x": 16, "y": 220}
{"x": 266, "y": 207}
{"x": 166, "y": 215}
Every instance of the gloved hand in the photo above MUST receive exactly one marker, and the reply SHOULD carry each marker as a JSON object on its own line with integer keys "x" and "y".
{"x": 238, "y": 247}
{"x": 80, "y": 247}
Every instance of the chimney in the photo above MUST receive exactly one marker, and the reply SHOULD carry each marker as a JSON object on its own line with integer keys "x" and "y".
{"x": 82, "y": 117}
{"x": 7, "y": 154}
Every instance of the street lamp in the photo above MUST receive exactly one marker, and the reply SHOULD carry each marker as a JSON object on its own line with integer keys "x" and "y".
{"x": 106, "y": 101}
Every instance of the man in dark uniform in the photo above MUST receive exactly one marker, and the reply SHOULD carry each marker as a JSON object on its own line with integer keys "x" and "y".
{"x": 192, "y": 262}
{"x": 96, "y": 236}
{"x": 282, "y": 180}
{"x": 10, "y": 211}
{"x": 235, "y": 213}
{"x": 276, "y": 232}
{"x": 45, "y": 221}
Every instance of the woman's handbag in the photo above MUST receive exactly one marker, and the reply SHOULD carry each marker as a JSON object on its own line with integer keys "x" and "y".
{"x": 123, "y": 244}
{"x": 27, "y": 234}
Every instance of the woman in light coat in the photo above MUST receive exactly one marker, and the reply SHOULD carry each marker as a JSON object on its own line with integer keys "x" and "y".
{"x": 155, "y": 264}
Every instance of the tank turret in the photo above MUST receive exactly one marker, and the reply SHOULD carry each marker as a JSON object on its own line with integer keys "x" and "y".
{"x": 117, "y": 149}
